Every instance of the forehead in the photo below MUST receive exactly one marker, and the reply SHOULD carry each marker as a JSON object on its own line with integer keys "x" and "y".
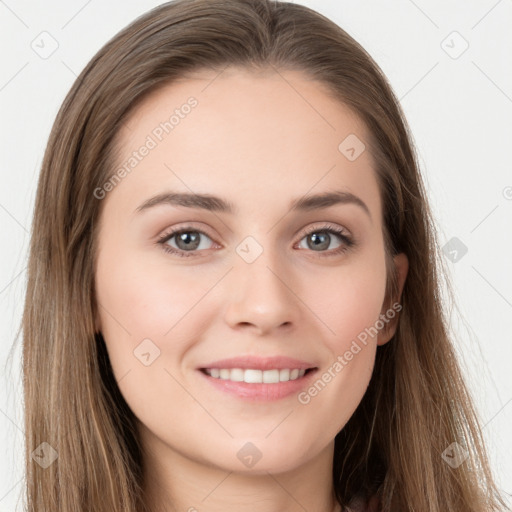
{"x": 250, "y": 132}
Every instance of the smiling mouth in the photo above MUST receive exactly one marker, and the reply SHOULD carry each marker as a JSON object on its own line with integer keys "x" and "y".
{"x": 256, "y": 376}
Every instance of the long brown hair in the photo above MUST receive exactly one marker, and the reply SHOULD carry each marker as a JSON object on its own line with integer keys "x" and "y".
{"x": 416, "y": 405}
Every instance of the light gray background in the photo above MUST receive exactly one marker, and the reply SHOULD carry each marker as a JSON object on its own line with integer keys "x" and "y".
{"x": 459, "y": 110}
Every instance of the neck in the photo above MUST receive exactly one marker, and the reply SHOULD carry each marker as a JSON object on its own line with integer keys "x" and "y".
{"x": 176, "y": 483}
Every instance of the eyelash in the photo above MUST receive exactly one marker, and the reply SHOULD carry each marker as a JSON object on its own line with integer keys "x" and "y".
{"x": 347, "y": 241}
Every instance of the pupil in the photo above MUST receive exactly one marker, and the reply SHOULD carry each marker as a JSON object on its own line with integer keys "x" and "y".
{"x": 319, "y": 241}
{"x": 190, "y": 240}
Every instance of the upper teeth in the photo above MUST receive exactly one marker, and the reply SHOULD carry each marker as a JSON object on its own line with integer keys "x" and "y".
{"x": 255, "y": 376}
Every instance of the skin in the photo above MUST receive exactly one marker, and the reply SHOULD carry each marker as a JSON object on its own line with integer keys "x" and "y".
{"x": 257, "y": 143}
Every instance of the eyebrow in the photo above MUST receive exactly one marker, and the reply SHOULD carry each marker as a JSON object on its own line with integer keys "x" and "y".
{"x": 217, "y": 204}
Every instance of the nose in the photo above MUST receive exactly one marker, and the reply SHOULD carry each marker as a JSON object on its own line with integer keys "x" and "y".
{"x": 261, "y": 296}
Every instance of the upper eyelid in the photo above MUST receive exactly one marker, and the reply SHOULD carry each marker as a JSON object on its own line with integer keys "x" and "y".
{"x": 327, "y": 226}
{"x": 170, "y": 232}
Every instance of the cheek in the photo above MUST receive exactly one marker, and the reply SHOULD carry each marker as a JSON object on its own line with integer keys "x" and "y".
{"x": 349, "y": 299}
{"x": 140, "y": 301}
{"x": 145, "y": 316}
{"x": 144, "y": 297}
{"x": 349, "y": 302}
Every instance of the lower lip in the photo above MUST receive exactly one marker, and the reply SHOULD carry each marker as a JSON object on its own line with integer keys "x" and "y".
{"x": 261, "y": 392}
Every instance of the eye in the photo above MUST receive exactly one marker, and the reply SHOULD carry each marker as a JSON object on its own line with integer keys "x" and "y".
{"x": 183, "y": 240}
{"x": 321, "y": 239}
{"x": 189, "y": 241}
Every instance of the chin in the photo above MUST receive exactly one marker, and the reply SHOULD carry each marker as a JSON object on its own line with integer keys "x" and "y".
{"x": 263, "y": 456}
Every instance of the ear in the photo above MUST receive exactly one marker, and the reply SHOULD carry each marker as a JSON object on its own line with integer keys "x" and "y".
{"x": 390, "y": 316}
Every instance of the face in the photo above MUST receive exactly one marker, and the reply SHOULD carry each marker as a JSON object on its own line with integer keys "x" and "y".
{"x": 241, "y": 271}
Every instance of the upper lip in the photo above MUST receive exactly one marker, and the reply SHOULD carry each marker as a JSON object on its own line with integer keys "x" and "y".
{"x": 260, "y": 363}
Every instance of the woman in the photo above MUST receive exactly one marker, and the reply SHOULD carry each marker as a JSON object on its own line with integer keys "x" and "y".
{"x": 233, "y": 296}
